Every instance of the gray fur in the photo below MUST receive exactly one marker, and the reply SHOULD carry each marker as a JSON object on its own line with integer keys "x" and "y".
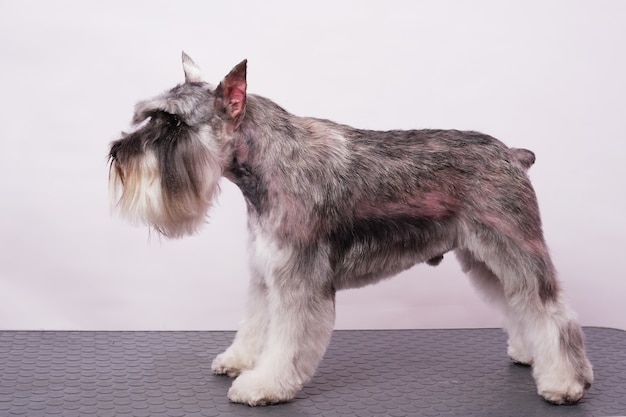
{"x": 333, "y": 207}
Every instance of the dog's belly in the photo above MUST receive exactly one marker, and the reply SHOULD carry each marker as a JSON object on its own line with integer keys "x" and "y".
{"x": 368, "y": 250}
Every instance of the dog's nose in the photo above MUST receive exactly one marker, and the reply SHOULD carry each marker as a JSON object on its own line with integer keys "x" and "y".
{"x": 115, "y": 147}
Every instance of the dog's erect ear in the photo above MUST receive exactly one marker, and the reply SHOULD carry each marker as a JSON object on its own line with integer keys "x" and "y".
{"x": 230, "y": 95}
{"x": 192, "y": 71}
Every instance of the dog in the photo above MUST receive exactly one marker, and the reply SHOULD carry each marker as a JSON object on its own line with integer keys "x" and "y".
{"x": 332, "y": 207}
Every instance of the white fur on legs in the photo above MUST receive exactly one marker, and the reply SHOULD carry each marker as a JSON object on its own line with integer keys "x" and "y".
{"x": 299, "y": 333}
{"x": 301, "y": 310}
{"x": 489, "y": 286}
{"x": 542, "y": 334}
{"x": 250, "y": 338}
{"x": 518, "y": 349}
{"x": 560, "y": 367}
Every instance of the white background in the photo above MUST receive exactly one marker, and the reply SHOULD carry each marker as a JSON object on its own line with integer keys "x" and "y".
{"x": 545, "y": 75}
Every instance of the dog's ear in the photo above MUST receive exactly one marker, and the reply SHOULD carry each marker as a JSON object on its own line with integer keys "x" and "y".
{"x": 192, "y": 71}
{"x": 230, "y": 95}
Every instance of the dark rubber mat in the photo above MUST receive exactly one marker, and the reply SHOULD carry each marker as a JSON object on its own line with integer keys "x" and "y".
{"x": 364, "y": 373}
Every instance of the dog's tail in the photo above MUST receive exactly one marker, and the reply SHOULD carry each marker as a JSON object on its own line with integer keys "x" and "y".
{"x": 525, "y": 157}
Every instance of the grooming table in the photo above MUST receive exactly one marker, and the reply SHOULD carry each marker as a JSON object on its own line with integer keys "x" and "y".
{"x": 364, "y": 373}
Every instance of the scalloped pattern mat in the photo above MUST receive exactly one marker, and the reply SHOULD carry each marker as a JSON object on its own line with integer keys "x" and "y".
{"x": 364, "y": 373}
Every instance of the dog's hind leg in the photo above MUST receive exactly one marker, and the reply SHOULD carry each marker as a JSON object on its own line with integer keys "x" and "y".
{"x": 543, "y": 330}
{"x": 490, "y": 287}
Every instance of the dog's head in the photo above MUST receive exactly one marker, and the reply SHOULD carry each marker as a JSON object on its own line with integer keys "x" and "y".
{"x": 165, "y": 172}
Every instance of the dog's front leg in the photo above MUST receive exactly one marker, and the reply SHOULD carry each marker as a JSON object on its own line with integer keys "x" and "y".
{"x": 250, "y": 339}
{"x": 301, "y": 307}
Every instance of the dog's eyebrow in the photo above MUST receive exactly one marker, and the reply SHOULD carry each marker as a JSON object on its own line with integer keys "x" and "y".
{"x": 144, "y": 114}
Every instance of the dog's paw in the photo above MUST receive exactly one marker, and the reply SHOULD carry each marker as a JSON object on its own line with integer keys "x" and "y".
{"x": 564, "y": 383}
{"x": 563, "y": 391}
{"x": 564, "y": 394}
{"x": 230, "y": 363}
{"x": 519, "y": 356}
{"x": 253, "y": 388}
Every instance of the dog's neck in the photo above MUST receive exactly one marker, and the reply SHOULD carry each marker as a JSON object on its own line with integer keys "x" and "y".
{"x": 247, "y": 151}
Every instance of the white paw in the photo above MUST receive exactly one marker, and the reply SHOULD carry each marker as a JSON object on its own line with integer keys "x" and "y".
{"x": 564, "y": 389}
{"x": 563, "y": 393}
{"x": 254, "y": 388}
{"x": 520, "y": 356}
{"x": 231, "y": 363}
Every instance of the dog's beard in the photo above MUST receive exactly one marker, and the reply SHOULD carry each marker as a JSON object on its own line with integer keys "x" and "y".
{"x": 171, "y": 192}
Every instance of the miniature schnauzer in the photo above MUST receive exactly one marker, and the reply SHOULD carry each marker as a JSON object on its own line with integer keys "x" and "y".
{"x": 333, "y": 207}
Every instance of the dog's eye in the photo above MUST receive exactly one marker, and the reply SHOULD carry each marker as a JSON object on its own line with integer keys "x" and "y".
{"x": 174, "y": 120}
{"x": 169, "y": 118}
